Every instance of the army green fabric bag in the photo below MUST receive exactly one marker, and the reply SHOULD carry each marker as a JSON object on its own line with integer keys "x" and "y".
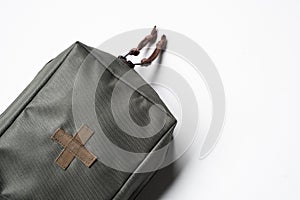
{"x": 83, "y": 87}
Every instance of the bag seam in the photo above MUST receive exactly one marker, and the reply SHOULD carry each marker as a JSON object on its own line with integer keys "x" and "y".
{"x": 119, "y": 78}
{"x": 32, "y": 96}
{"x": 144, "y": 160}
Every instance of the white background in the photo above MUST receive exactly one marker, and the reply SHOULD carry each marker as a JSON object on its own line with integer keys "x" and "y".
{"x": 255, "y": 46}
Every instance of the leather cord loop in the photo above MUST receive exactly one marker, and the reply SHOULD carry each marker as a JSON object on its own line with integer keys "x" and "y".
{"x": 151, "y": 37}
{"x": 160, "y": 45}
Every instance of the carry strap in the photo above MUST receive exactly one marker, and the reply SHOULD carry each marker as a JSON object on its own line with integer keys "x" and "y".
{"x": 160, "y": 45}
{"x": 149, "y": 38}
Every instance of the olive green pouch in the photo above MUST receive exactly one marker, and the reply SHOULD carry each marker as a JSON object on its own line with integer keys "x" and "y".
{"x": 83, "y": 86}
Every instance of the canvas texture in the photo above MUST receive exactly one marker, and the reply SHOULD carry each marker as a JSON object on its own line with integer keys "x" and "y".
{"x": 53, "y": 101}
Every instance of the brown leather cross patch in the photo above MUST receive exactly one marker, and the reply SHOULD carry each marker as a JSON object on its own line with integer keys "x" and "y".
{"x": 73, "y": 147}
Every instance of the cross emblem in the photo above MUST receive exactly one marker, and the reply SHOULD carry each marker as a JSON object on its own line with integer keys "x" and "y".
{"x": 73, "y": 147}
